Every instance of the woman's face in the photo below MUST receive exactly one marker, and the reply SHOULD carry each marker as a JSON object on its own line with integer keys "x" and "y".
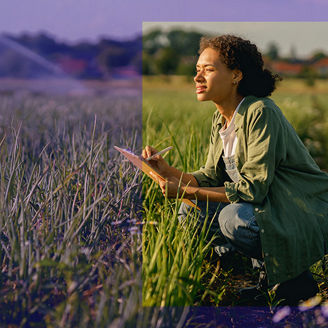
{"x": 214, "y": 80}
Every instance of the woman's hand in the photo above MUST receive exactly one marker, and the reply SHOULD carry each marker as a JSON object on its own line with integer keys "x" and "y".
{"x": 157, "y": 162}
{"x": 170, "y": 187}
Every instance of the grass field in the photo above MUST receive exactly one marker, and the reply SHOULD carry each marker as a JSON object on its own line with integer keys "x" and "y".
{"x": 178, "y": 266}
{"x": 70, "y": 212}
{"x": 79, "y": 245}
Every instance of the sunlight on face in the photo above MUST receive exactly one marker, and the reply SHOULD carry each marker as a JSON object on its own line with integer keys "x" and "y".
{"x": 214, "y": 80}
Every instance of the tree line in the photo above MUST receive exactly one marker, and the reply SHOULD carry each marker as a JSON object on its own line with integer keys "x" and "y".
{"x": 175, "y": 52}
{"x": 171, "y": 52}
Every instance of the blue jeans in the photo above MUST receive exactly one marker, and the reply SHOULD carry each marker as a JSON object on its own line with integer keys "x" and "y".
{"x": 234, "y": 227}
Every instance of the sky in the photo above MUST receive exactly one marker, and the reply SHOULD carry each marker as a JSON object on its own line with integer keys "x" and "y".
{"x": 76, "y": 20}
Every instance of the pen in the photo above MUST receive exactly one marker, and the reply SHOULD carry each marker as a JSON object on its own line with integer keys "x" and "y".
{"x": 159, "y": 153}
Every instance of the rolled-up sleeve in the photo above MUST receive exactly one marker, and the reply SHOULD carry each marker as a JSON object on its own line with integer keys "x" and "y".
{"x": 264, "y": 152}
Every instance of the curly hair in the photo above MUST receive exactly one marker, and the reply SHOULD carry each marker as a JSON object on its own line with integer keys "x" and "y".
{"x": 237, "y": 53}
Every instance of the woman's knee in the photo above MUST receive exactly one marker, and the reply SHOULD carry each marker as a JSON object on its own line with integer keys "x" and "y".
{"x": 238, "y": 225}
{"x": 236, "y": 216}
{"x": 225, "y": 220}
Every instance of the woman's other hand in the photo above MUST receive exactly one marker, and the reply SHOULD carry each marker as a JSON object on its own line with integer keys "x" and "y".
{"x": 157, "y": 162}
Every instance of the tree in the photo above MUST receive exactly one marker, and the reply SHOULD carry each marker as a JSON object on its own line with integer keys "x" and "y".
{"x": 153, "y": 41}
{"x": 316, "y": 56}
{"x": 273, "y": 51}
{"x": 167, "y": 61}
{"x": 108, "y": 58}
{"x": 170, "y": 53}
{"x": 147, "y": 64}
{"x": 183, "y": 42}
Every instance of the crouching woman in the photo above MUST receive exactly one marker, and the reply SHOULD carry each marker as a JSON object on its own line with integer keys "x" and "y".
{"x": 270, "y": 196}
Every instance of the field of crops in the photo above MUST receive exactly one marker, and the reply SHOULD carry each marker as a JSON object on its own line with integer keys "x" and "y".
{"x": 178, "y": 265}
{"x": 82, "y": 244}
{"x": 70, "y": 211}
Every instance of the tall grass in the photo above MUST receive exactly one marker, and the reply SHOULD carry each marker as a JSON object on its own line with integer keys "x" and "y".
{"x": 174, "y": 265}
{"x": 173, "y": 256}
{"x": 70, "y": 208}
{"x": 177, "y": 265}
{"x": 71, "y": 214}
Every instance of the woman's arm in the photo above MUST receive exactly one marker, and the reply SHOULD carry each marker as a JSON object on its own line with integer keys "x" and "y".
{"x": 172, "y": 186}
{"x": 189, "y": 187}
{"x": 187, "y": 178}
{"x": 212, "y": 194}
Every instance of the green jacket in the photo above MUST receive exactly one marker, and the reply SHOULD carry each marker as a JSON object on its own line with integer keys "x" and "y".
{"x": 278, "y": 175}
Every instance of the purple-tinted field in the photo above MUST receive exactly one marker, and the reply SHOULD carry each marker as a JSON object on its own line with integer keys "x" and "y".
{"x": 70, "y": 210}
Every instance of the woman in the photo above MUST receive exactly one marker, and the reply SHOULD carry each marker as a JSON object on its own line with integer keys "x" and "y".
{"x": 273, "y": 198}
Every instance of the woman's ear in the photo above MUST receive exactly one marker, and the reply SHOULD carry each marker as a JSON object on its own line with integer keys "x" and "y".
{"x": 237, "y": 75}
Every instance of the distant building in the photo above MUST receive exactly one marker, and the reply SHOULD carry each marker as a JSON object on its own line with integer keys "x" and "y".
{"x": 71, "y": 66}
{"x": 286, "y": 68}
{"x": 321, "y": 66}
